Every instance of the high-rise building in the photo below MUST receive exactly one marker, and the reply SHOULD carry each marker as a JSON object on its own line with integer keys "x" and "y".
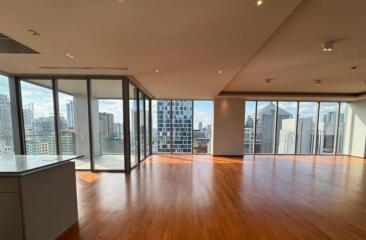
{"x": 28, "y": 115}
{"x": 106, "y": 131}
{"x": 6, "y": 132}
{"x": 70, "y": 114}
{"x": 180, "y": 139}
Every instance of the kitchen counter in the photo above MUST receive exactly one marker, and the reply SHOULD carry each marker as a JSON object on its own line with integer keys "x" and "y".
{"x": 37, "y": 196}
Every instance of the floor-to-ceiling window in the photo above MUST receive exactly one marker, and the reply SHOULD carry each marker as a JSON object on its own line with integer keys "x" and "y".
{"x": 306, "y": 127}
{"x": 173, "y": 128}
{"x": 107, "y": 118}
{"x": 249, "y": 126}
{"x": 142, "y": 125}
{"x": 265, "y": 127}
{"x": 73, "y": 120}
{"x": 6, "y": 128}
{"x": 341, "y": 127}
{"x": 327, "y": 127}
{"x": 294, "y": 127}
{"x": 286, "y": 127}
{"x": 202, "y": 127}
{"x": 134, "y": 125}
{"x": 182, "y": 126}
{"x": 38, "y": 116}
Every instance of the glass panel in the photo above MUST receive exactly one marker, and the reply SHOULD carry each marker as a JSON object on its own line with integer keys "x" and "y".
{"x": 6, "y": 129}
{"x": 265, "y": 127}
{"x": 342, "y": 127}
{"x": 327, "y": 127}
{"x": 74, "y": 121}
{"x": 306, "y": 127}
{"x": 249, "y": 127}
{"x": 133, "y": 125}
{"x": 142, "y": 125}
{"x": 107, "y": 118}
{"x": 202, "y": 127}
{"x": 38, "y": 117}
{"x": 286, "y": 127}
{"x": 147, "y": 117}
{"x": 182, "y": 126}
{"x": 161, "y": 121}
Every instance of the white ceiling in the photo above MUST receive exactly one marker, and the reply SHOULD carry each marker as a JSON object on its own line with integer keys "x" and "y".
{"x": 189, "y": 41}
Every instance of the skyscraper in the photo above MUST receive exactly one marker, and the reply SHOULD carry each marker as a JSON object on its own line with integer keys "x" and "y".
{"x": 6, "y": 136}
{"x": 180, "y": 139}
{"x": 70, "y": 114}
{"x": 28, "y": 115}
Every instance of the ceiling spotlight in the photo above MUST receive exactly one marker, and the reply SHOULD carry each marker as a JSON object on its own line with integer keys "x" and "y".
{"x": 70, "y": 55}
{"x": 328, "y": 46}
{"x": 268, "y": 81}
{"x": 317, "y": 82}
{"x": 33, "y": 33}
{"x": 259, "y": 2}
{"x": 220, "y": 72}
{"x": 354, "y": 67}
{"x": 157, "y": 71}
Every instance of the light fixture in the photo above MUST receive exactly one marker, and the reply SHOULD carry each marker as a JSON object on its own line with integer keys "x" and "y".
{"x": 33, "y": 32}
{"x": 354, "y": 67}
{"x": 157, "y": 71}
{"x": 70, "y": 55}
{"x": 268, "y": 81}
{"x": 220, "y": 72}
{"x": 259, "y": 2}
{"x": 317, "y": 82}
{"x": 328, "y": 46}
{"x": 120, "y": 1}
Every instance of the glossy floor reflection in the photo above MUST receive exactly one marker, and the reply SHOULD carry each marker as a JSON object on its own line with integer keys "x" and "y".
{"x": 204, "y": 197}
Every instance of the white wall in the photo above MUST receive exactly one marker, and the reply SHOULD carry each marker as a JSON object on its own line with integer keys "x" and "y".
{"x": 355, "y": 134}
{"x": 228, "y": 134}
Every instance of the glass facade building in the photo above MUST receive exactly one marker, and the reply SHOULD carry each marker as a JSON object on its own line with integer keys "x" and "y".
{"x": 181, "y": 126}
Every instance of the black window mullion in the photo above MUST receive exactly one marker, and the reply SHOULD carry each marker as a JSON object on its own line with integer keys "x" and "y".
{"x": 90, "y": 119}
{"x": 56, "y": 115}
{"x": 126, "y": 125}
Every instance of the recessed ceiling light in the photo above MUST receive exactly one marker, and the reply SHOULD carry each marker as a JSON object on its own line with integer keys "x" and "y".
{"x": 157, "y": 71}
{"x": 354, "y": 67}
{"x": 268, "y": 81}
{"x": 220, "y": 72}
{"x": 328, "y": 46}
{"x": 317, "y": 82}
{"x": 259, "y": 2}
{"x": 120, "y": 1}
{"x": 70, "y": 55}
{"x": 33, "y": 33}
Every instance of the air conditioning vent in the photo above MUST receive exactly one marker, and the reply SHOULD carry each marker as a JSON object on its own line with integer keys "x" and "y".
{"x": 84, "y": 68}
{"x": 8, "y": 45}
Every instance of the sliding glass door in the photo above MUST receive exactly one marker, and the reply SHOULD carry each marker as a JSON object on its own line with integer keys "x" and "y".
{"x": 74, "y": 120}
{"x": 107, "y": 118}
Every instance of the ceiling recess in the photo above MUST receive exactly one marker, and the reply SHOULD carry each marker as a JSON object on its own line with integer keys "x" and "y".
{"x": 9, "y": 45}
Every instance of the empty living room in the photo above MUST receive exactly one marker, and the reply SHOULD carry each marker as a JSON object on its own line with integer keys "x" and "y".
{"x": 183, "y": 120}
